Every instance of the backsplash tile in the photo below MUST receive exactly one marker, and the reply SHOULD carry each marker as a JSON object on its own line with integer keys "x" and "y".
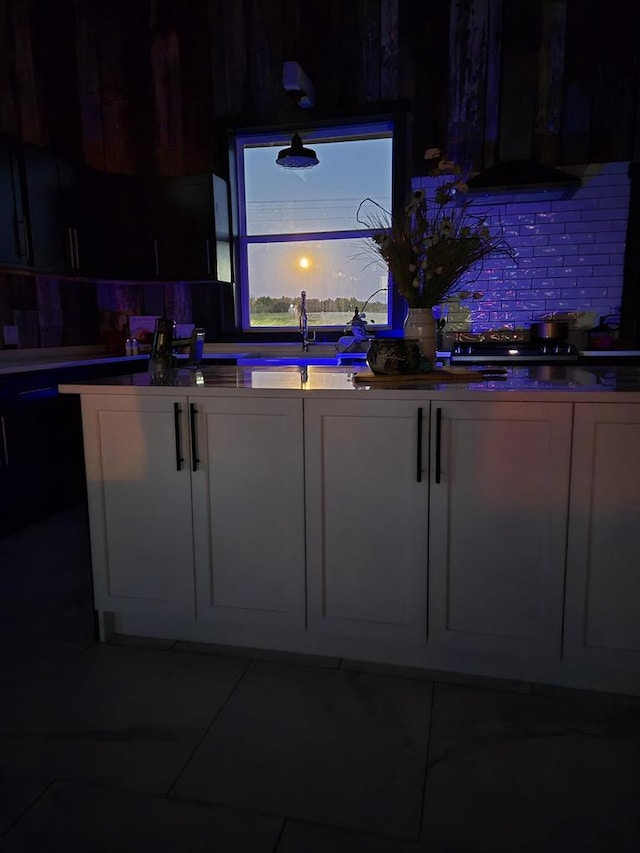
{"x": 570, "y": 247}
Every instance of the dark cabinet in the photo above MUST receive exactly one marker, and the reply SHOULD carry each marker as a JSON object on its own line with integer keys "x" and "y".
{"x": 14, "y": 244}
{"x": 61, "y": 206}
{"x": 51, "y": 243}
{"x": 123, "y": 230}
{"x": 190, "y": 221}
{"x": 41, "y": 459}
{"x": 64, "y": 218}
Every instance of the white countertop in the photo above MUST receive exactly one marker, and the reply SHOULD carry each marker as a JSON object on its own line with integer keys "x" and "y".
{"x": 555, "y": 383}
{"x": 50, "y": 358}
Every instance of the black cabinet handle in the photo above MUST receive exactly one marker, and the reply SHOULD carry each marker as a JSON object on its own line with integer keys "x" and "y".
{"x": 177, "y": 411}
{"x": 438, "y": 444}
{"x": 419, "y": 448}
{"x": 22, "y": 239}
{"x": 195, "y": 461}
{"x": 72, "y": 257}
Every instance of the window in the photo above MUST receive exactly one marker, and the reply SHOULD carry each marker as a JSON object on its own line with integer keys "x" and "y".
{"x": 297, "y": 228}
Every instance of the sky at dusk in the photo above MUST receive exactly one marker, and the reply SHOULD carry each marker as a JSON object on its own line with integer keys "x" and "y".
{"x": 324, "y": 198}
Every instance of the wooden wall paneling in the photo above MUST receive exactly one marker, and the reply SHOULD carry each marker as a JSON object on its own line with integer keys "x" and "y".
{"x": 196, "y": 88}
{"x": 389, "y": 50}
{"x": 266, "y": 94}
{"x": 81, "y": 323}
{"x": 140, "y": 90}
{"x": 468, "y": 39}
{"x": 291, "y": 32}
{"x": 153, "y": 297}
{"x": 124, "y": 298}
{"x": 177, "y": 301}
{"x": 167, "y": 94}
{"x": 546, "y": 142}
{"x": 50, "y": 320}
{"x": 6, "y": 313}
{"x": 492, "y": 86}
{"x": 228, "y": 39}
{"x": 521, "y": 25}
{"x": 28, "y": 93}
{"x": 23, "y": 299}
{"x": 408, "y": 37}
{"x": 89, "y": 94}
{"x": 579, "y": 63}
{"x": 615, "y": 94}
{"x": 54, "y": 44}
{"x": 370, "y": 51}
{"x": 22, "y": 292}
{"x": 429, "y": 23}
{"x": 207, "y": 309}
{"x": 115, "y": 37}
{"x": 327, "y": 49}
{"x": 9, "y": 119}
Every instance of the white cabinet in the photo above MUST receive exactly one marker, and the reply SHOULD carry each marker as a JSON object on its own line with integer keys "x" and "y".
{"x": 139, "y": 503}
{"x": 366, "y": 508}
{"x": 497, "y": 527}
{"x": 483, "y": 536}
{"x": 602, "y": 626}
{"x": 197, "y": 508}
{"x": 248, "y": 510}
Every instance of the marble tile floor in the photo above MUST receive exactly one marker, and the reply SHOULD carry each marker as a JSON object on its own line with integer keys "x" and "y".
{"x": 160, "y": 746}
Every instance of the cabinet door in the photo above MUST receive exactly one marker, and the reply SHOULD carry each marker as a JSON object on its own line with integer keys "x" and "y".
{"x": 602, "y": 623}
{"x": 191, "y": 228}
{"x": 14, "y": 247}
{"x": 81, "y": 208}
{"x": 127, "y": 249}
{"x": 23, "y": 496}
{"x": 139, "y": 496}
{"x": 183, "y": 228}
{"x": 60, "y": 213}
{"x": 248, "y": 496}
{"x": 497, "y": 527}
{"x": 48, "y": 228}
{"x": 366, "y": 499}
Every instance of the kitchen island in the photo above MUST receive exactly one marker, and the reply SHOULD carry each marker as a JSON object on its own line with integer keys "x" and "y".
{"x": 469, "y": 524}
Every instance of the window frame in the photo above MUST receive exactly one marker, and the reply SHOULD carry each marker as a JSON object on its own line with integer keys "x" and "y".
{"x": 280, "y": 137}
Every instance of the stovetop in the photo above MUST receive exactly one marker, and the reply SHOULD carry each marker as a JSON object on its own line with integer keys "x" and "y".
{"x": 513, "y": 352}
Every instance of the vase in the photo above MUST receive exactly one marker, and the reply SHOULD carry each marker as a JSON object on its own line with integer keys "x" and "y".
{"x": 421, "y": 325}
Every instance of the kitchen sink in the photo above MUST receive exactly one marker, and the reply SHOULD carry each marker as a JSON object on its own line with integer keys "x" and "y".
{"x": 304, "y": 360}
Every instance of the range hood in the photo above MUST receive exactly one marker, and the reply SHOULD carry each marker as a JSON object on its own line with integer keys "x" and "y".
{"x": 522, "y": 174}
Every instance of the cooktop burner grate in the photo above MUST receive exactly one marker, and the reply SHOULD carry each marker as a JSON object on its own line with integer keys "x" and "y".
{"x": 513, "y": 352}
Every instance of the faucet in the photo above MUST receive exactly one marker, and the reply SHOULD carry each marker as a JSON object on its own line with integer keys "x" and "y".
{"x": 304, "y": 321}
{"x": 163, "y": 346}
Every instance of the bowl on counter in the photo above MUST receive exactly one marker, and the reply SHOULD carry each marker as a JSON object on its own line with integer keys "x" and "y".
{"x": 395, "y": 356}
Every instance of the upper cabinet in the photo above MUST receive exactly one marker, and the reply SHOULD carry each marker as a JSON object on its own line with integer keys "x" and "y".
{"x": 124, "y": 241}
{"x": 59, "y": 213}
{"x": 191, "y": 228}
{"x": 14, "y": 244}
{"x": 64, "y": 218}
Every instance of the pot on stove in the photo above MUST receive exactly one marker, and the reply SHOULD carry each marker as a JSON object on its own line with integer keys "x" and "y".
{"x": 549, "y": 330}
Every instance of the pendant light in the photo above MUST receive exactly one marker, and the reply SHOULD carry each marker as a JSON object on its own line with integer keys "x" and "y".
{"x": 297, "y": 157}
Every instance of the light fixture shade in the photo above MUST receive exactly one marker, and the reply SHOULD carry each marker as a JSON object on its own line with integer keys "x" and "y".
{"x": 297, "y": 157}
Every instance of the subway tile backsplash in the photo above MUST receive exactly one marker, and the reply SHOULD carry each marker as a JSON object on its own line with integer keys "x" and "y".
{"x": 570, "y": 247}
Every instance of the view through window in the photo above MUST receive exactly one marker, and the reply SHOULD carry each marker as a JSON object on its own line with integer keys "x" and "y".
{"x": 298, "y": 228}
